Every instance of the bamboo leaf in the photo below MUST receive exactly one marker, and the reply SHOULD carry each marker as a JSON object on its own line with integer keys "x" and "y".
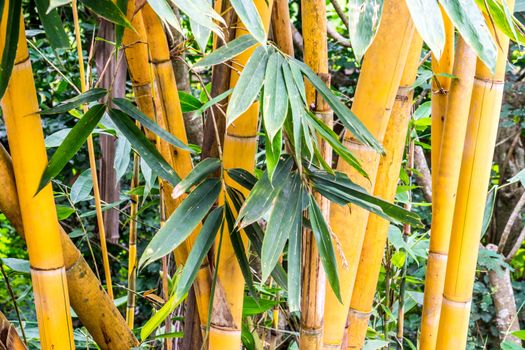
{"x": 227, "y": 51}
{"x": 109, "y": 10}
{"x": 250, "y": 17}
{"x": 57, "y": 3}
{"x": 273, "y": 153}
{"x": 242, "y": 177}
{"x": 324, "y": 244}
{"x": 248, "y": 86}
{"x": 347, "y": 118}
{"x": 200, "y": 172}
{"x": 147, "y": 151}
{"x": 251, "y": 307}
{"x": 275, "y": 98}
{"x": 164, "y": 11}
{"x": 365, "y": 16}
{"x": 12, "y": 28}
{"x": 86, "y": 97}
{"x": 294, "y": 267}
{"x": 467, "y": 18}
{"x": 428, "y": 20}
{"x": 52, "y": 24}
{"x": 296, "y": 106}
{"x": 201, "y": 247}
{"x": 188, "y": 102}
{"x": 72, "y": 143}
{"x": 131, "y": 111}
{"x": 158, "y": 317}
{"x": 502, "y": 17}
{"x": 81, "y": 189}
{"x": 202, "y": 13}
{"x": 182, "y": 222}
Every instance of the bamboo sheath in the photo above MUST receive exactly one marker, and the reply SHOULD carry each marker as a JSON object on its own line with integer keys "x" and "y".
{"x": 376, "y": 90}
{"x": 385, "y": 187}
{"x": 9, "y": 339}
{"x": 452, "y": 141}
{"x": 39, "y": 218}
{"x": 239, "y": 148}
{"x": 476, "y": 166}
{"x": 313, "y": 14}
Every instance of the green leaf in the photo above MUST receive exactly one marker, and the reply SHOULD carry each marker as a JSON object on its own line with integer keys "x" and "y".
{"x": 489, "y": 209}
{"x": 251, "y": 307}
{"x": 200, "y": 248}
{"x": 273, "y": 152}
{"x": 284, "y": 218}
{"x": 156, "y": 320}
{"x": 324, "y": 244}
{"x": 520, "y": 176}
{"x": 72, "y": 144}
{"x": 294, "y": 267}
{"x": 227, "y": 51}
{"x": 57, "y": 3}
{"x": 188, "y": 102}
{"x": 248, "y": 86}
{"x": 508, "y": 345}
{"x": 347, "y": 118}
{"x": 249, "y": 16}
{"x": 108, "y": 10}
{"x": 86, "y": 97}
{"x": 143, "y": 146}
{"x": 519, "y": 334}
{"x": 428, "y": 20}
{"x": 202, "y": 13}
{"x": 130, "y": 110}
{"x": 468, "y": 19}
{"x": 296, "y": 107}
{"x": 275, "y": 98}
{"x": 122, "y": 157}
{"x": 164, "y": 11}
{"x": 81, "y": 189}
{"x": 242, "y": 177}
{"x": 52, "y": 24}
{"x": 213, "y": 101}
{"x": 17, "y": 265}
{"x": 502, "y": 17}
{"x": 365, "y": 16}
{"x": 63, "y": 212}
{"x": 182, "y": 222}
{"x": 12, "y": 28}
{"x": 200, "y": 172}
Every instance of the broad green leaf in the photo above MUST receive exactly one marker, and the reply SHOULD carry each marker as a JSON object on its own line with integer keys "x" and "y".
{"x": 508, "y": 345}
{"x": 86, "y": 97}
{"x": 249, "y": 16}
{"x": 63, "y": 212}
{"x": 201, "y": 12}
{"x": 489, "y": 209}
{"x": 428, "y": 20}
{"x": 122, "y": 157}
{"x": 182, "y": 222}
{"x": 109, "y": 10}
{"x": 251, "y": 307}
{"x": 149, "y": 177}
{"x": 519, "y": 334}
{"x": 12, "y": 28}
{"x": 503, "y": 19}
{"x": 199, "y": 173}
{"x": 201, "y": 35}
{"x": 72, "y": 144}
{"x": 130, "y": 110}
{"x": 57, "y": 3}
{"x": 365, "y": 16}
{"x": 52, "y": 24}
{"x": 520, "y": 176}
{"x": 17, "y": 265}
{"x": 248, "y": 86}
{"x": 275, "y": 98}
{"x": 284, "y": 217}
{"x": 273, "y": 153}
{"x": 468, "y": 19}
{"x": 143, "y": 146}
{"x": 165, "y": 12}
{"x": 213, "y": 101}
{"x": 158, "y": 317}
{"x": 347, "y": 118}
{"x": 81, "y": 189}
{"x": 200, "y": 248}
{"x": 188, "y": 102}
{"x": 325, "y": 247}
{"x": 297, "y": 108}
{"x": 227, "y": 51}
{"x": 242, "y": 177}
{"x": 294, "y": 267}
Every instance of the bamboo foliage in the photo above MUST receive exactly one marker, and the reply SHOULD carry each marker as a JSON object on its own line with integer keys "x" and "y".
{"x": 474, "y": 177}
{"x": 452, "y": 141}
{"x": 376, "y": 90}
{"x": 385, "y": 187}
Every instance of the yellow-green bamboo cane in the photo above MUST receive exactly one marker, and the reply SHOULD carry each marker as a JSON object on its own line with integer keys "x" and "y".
{"x": 385, "y": 187}
{"x": 39, "y": 218}
{"x": 282, "y": 31}
{"x": 444, "y": 198}
{"x": 376, "y": 90}
{"x": 132, "y": 254}
{"x": 476, "y": 165}
{"x": 239, "y": 148}
{"x": 94, "y": 308}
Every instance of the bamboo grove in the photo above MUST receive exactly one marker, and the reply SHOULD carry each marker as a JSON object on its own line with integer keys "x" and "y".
{"x": 276, "y": 229}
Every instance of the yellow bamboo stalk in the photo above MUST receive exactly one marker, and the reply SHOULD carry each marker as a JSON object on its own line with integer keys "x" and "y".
{"x": 440, "y": 90}
{"x": 39, "y": 218}
{"x": 282, "y": 31}
{"x": 132, "y": 254}
{"x": 9, "y": 339}
{"x": 91, "y": 303}
{"x": 476, "y": 165}
{"x": 385, "y": 187}
{"x": 376, "y": 90}
{"x": 452, "y": 142}
{"x": 92, "y": 160}
{"x": 240, "y": 145}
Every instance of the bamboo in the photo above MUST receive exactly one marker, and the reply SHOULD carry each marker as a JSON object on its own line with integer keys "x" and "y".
{"x": 26, "y": 141}
{"x": 281, "y": 28}
{"x": 132, "y": 254}
{"x": 377, "y": 228}
{"x": 376, "y": 90}
{"x": 313, "y": 14}
{"x": 240, "y": 145}
{"x": 452, "y": 142}
{"x": 91, "y": 303}
{"x": 9, "y": 339}
{"x": 476, "y": 166}
{"x": 440, "y": 90}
